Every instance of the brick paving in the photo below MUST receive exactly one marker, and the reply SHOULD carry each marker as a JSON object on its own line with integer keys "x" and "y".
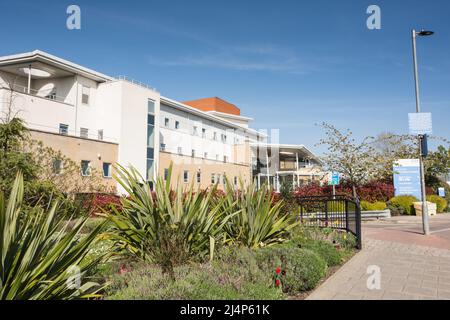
{"x": 412, "y": 266}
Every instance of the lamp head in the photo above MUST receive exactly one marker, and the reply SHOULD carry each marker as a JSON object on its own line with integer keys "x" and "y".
{"x": 425, "y": 33}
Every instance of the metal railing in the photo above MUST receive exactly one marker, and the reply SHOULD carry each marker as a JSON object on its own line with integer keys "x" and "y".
{"x": 49, "y": 94}
{"x": 337, "y": 212}
{"x": 138, "y": 83}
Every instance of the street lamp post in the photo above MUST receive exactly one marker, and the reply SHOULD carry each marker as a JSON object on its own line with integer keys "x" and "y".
{"x": 425, "y": 222}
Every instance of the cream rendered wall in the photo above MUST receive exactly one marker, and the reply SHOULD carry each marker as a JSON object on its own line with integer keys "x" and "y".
{"x": 125, "y": 112}
{"x": 184, "y": 136}
{"x": 40, "y": 113}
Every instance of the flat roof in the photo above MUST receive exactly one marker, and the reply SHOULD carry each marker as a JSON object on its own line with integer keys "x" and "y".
{"x": 287, "y": 146}
{"x": 41, "y": 56}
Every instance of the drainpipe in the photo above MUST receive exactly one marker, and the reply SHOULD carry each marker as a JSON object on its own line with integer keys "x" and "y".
{"x": 29, "y": 79}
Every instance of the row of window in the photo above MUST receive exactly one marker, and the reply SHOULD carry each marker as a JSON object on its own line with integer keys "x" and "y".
{"x": 195, "y": 131}
{"x": 194, "y": 153}
{"x": 215, "y": 177}
{"x": 85, "y": 168}
{"x": 84, "y": 132}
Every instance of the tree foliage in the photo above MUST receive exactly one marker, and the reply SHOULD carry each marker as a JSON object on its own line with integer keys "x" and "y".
{"x": 352, "y": 159}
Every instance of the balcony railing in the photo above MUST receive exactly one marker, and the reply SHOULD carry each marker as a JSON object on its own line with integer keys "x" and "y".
{"x": 49, "y": 94}
{"x": 138, "y": 83}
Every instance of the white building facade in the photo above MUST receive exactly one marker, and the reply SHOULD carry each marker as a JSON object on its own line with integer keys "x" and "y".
{"x": 98, "y": 120}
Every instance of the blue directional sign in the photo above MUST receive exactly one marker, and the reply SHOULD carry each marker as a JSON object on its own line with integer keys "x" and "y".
{"x": 407, "y": 178}
{"x": 441, "y": 192}
{"x": 334, "y": 179}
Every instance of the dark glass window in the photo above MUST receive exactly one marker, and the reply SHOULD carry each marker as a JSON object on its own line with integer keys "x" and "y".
{"x": 150, "y": 153}
{"x": 150, "y": 119}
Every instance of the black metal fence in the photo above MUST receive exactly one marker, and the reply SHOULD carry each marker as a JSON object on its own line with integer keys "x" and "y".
{"x": 332, "y": 212}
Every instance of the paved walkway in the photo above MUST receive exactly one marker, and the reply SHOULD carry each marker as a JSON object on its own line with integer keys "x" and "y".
{"x": 412, "y": 266}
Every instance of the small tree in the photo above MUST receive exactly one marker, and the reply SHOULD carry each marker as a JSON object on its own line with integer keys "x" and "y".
{"x": 348, "y": 157}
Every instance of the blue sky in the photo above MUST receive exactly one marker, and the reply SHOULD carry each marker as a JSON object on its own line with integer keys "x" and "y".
{"x": 287, "y": 64}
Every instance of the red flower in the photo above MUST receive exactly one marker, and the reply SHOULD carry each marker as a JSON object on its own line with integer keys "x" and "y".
{"x": 122, "y": 269}
{"x": 278, "y": 270}
{"x": 277, "y": 282}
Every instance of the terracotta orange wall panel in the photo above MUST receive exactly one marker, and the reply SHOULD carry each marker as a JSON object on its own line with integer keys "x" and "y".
{"x": 214, "y": 104}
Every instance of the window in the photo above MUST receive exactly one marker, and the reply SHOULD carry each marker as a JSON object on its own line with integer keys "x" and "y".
{"x": 223, "y": 138}
{"x": 195, "y": 130}
{"x": 162, "y": 147}
{"x": 224, "y": 180}
{"x": 199, "y": 177}
{"x": 150, "y": 119}
{"x": 213, "y": 178}
{"x": 150, "y": 153}
{"x": 203, "y": 133}
{"x": 185, "y": 176}
{"x": 106, "y": 170}
{"x": 150, "y": 139}
{"x": 151, "y": 106}
{"x": 57, "y": 166}
{"x": 235, "y": 181}
{"x": 166, "y": 174}
{"x": 85, "y": 95}
{"x": 100, "y": 134}
{"x": 205, "y": 155}
{"x": 84, "y": 133}
{"x": 215, "y": 136}
{"x": 150, "y": 135}
{"x": 177, "y": 125}
{"x": 166, "y": 122}
{"x": 225, "y": 158}
{"x": 85, "y": 168}
{"x": 180, "y": 150}
{"x": 149, "y": 169}
{"x": 192, "y": 153}
{"x": 218, "y": 178}
{"x": 63, "y": 129}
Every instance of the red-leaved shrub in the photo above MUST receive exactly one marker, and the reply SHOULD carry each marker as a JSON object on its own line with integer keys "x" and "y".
{"x": 372, "y": 191}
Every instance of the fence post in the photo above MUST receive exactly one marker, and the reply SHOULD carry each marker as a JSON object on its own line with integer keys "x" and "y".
{"x": 346, "y": 215}
{"x": 301, "y": 213}
{"x": 358, "y": 224}
{"x": 326, "y": 213}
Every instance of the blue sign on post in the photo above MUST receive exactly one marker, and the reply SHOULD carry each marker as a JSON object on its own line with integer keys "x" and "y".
{"x": 420, "y": 123}
{"x": 334, "y": 179}
{"x": 407, "y": 178}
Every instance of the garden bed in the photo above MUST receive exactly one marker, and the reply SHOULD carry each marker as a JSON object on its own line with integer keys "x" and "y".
{"x": 284, "y": 271}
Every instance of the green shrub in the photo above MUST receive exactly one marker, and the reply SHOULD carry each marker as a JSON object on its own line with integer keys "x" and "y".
{"x": 301, "y": 269}
{"x": 40, "y": 254}
{"x": 234, "y": 275}
{"x": 376, "y": 206}
{"x": 441, "y": 203}
{"x": 325, "y": 250}
{"x": 256, "y": 220}
{"x": 168, "y": 227}
{"x": 403, "y": 204}
{"x": 345, "y": 240}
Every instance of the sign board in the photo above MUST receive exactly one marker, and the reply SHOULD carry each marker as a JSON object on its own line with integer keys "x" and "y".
{"x": 420, "y": 123}
{"x": 407, "y": 178}
{"x": 441, "y": 192}
{"x": 334, "y": 179}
